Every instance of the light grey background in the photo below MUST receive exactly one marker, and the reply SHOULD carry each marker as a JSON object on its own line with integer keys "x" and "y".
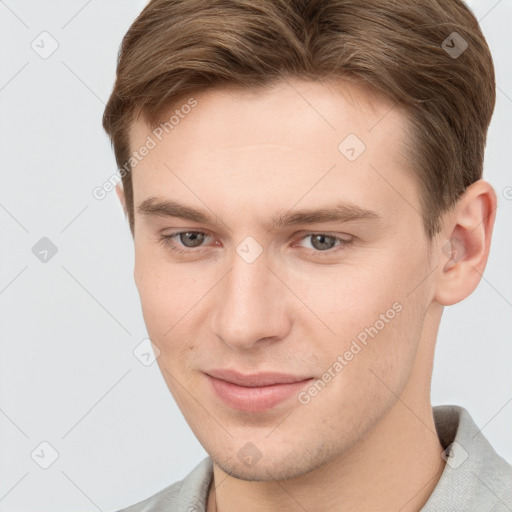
{"x": 69, "y": 326}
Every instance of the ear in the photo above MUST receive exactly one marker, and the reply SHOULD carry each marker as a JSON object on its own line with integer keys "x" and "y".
{"x": 465, "y": 244}
{"x": 120, "y": 195}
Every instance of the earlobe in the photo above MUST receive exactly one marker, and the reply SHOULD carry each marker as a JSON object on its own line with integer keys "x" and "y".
{"x": 120, "y": 195}
{"x": 465, "y": 250}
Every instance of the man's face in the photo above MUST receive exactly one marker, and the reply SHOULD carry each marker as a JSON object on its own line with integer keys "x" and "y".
{"x": 337, "y": 304}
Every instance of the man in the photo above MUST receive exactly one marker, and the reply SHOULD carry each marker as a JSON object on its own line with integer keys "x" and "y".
{"x": 303, "y": 185}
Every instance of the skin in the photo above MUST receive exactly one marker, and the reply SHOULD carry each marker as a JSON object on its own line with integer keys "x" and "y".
{"x": 367, "y": 440}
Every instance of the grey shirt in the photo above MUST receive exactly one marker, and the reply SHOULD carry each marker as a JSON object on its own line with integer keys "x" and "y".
{"x": 475, "y": 477}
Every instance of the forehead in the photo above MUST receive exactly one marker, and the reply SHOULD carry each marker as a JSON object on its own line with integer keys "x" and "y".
{"x": 329, "y": 105}
{"x": 295, "y": 140}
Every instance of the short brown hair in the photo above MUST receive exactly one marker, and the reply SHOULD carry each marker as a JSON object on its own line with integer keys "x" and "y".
{"x": 400, "y": 49}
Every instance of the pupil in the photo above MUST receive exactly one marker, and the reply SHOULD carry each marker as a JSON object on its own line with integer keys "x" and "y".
{"x": 323, "y": 244}
{"x": 195, "y": 238}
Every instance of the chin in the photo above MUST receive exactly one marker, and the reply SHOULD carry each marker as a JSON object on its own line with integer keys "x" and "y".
{"x": 275, "y": 468}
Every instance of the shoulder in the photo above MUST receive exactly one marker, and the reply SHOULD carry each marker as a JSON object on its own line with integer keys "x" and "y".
{"x": 475, "y": 477}
{"x": 187, "y": 494}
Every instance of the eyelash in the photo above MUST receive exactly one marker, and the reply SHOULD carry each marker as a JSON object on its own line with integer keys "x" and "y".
{"x": 166, "y": 241}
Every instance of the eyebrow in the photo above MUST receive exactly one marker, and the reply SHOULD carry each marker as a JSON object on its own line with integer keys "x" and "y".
{"x": 339, "y": 212}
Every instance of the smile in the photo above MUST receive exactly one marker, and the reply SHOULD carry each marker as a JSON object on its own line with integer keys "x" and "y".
{"x": 254, "y": 393}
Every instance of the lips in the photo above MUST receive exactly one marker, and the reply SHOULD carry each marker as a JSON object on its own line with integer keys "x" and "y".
{"x": 257, "y": 392}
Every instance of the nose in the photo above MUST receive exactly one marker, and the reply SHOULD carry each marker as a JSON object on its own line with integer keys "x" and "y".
{"x": 251, "y": 305}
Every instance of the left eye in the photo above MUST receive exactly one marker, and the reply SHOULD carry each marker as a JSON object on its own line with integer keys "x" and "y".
{"x": 322, "y": 242}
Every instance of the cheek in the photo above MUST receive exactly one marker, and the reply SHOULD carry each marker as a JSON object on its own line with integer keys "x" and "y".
{"x": 373, "y": 318}
{"x": 376, "y": 294}
{"x": 167, "y": 307}
{"x": 363, "y": 378}
{"x": 169, "y": 295}
{"x": 348, "y": 299}
{"x": 157, "y": 291}
{"x": 382, "y": 335}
